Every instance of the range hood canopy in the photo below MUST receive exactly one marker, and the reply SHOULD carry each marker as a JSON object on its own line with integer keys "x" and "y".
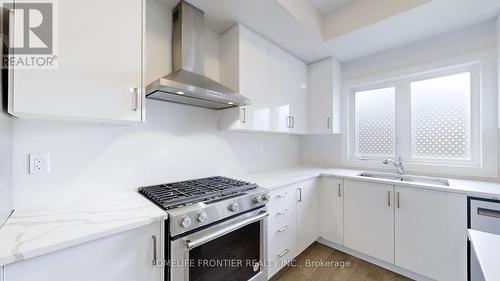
{"x": 187, "y": 84}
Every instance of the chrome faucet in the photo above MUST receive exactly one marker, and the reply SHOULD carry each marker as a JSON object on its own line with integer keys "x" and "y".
{"x": 398, "y": 164}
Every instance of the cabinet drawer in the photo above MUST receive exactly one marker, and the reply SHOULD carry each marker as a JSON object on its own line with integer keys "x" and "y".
{"x": 281, "y": 252}
{"x": 282, "y": 216}
{"x": 278, "y": 229}
{"x": 283, "y": 198}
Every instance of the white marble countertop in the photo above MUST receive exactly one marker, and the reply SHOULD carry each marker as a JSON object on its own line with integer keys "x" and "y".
{"x": 286, "y": 176}
{"x": 28, "y": 235}
{"x": 487, "y": 246}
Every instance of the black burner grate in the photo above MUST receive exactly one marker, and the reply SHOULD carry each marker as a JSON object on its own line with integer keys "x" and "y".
{"x": 177, "y": 194}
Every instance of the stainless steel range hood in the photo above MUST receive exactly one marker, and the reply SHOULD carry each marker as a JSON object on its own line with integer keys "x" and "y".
{"x": 187, "y": 84}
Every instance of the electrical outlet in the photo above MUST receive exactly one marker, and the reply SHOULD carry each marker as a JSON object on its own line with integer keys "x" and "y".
{"x": 39, "y": 164}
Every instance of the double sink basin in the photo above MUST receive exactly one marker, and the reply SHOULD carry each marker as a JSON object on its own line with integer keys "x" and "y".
{"x": 406, "y": 178}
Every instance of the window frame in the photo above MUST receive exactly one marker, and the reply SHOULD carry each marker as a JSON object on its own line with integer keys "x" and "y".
{"x": 485, "y": 62}
{"x": 475, "y": 111}
{"x": 403, "y": 122}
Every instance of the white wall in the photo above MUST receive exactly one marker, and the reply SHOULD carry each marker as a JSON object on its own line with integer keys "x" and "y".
{"x": 177, "y": 142}
{"x": 467, "y": 40}
{"x": 326, "y": 150}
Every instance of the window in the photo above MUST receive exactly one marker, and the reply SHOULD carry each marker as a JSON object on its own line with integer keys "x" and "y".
{"x": 427, "y": 118}
{"x": 375, "y": 119}
{"x": 441, "y": 118}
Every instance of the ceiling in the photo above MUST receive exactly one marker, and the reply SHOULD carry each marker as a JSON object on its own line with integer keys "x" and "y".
{"x": 289, "y": 28}
{"x": 325, "y": 7}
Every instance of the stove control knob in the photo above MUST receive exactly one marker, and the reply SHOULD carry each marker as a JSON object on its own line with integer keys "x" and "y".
{"x": 185, "y": 222}
{"x": 233, "y": 207}
{"x": 266, "y": 197}
{"x": 202, "y": 217}
{"x": 259, "y": 199}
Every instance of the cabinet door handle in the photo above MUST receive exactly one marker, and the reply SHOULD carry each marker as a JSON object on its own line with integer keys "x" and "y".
{"x": 293, "y": 121}
{"x": 300, "y": 194}
{"x": 244, "y": 119}
{"x": 155, "y": 257}
{"x": 135, "y": 96}
{"x": 397, "y": 199}
{"x": 389, "y": 198}
{"x": 280, "y": 213}
{"x": 283, "y": 229}
{"x": 328, "y": 123}
{"x": 286, "y": 251}
{"x": 339, "y": 190}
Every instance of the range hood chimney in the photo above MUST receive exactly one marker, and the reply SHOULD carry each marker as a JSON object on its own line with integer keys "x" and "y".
{"x": 187, "y": 84}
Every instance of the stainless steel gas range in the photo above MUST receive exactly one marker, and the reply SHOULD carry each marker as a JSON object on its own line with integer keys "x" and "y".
{"x": 216, "y": 229}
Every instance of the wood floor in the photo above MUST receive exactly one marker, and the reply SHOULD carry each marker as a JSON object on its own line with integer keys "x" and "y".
{"x": 358, "y": 270}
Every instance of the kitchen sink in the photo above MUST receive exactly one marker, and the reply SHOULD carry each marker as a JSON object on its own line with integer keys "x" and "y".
{"x": 406, "y": 178}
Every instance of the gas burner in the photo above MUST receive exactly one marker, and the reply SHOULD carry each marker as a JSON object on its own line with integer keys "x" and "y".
{"x": 173, "y": 195}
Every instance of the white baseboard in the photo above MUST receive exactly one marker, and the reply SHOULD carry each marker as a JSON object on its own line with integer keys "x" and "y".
{"x": 386, "y": 265}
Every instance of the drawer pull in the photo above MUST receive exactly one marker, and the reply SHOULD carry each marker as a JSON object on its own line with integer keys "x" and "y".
{"x": 488, "y": 213}
{"x": 286, "y": 251}
{"x": 283, "y": 229}
{"x": 281, "y": 195}
{"x": 280, "y": 213}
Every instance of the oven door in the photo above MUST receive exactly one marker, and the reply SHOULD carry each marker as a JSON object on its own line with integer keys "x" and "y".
{"x": 234, "y": 250}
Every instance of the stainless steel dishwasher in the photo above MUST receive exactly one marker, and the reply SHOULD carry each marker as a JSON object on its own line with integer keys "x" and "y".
{"x": 484, "y": 215}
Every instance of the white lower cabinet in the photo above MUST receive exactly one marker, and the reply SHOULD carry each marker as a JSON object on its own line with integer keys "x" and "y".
{"x": 369, "y": 219}
{"x": 420, "y": 230}
{"x": 431, "y": 233}
{"x": 332, "y": 210}
{"x": 124, "y": 256}
{"x": 292, "y": 225}
{"x": 308, "y": 214}
{"x": 281, "y": 229}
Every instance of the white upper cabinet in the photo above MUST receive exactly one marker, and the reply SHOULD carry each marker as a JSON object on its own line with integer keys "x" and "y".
{"x": 280, "y": 87}
{"x": 332, "y": 210}
{"x": 274, "y": 80}
{"x": 299, "y": 96}
{"x": 431, "y": 233}
{"x": 244, "y": 67}
{"x": 324, "y": 96}
{"x": 369, "y": 219}
{"x": 99, "y": 73}
{"x": 287, "y": 92}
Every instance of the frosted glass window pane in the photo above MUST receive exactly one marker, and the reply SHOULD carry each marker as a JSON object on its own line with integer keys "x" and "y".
{"x": 375, "y": 118}
{"x": 441, "y": 118}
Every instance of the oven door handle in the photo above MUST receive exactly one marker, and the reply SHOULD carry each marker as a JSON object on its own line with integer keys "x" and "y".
{"x": 216, "y": 234}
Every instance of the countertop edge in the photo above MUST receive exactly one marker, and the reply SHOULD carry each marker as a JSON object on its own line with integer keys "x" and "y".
{"x": 64, "y": 244}
{"x": 488, "y": 264}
